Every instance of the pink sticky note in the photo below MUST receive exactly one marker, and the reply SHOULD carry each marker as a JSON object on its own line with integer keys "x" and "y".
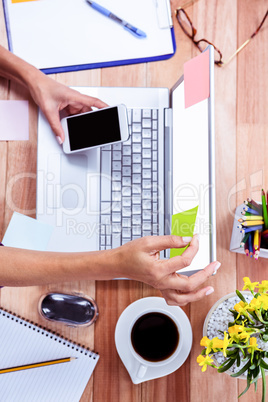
{"x": 196, "y": 79}
{"x": 14, "y": 120}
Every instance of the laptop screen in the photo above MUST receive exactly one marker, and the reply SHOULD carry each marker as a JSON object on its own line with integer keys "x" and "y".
{"x": 193, "y": 169}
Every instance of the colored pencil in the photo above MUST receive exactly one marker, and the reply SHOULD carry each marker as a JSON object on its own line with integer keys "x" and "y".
{"x": 252, "y": 206}
{"x": 250, "y": 218}
{"x": 243, "y": 242}
{"x": 35, "y": 365}
{"x": 256, "y": 240}
{"x": 251, "y": 211}
{"x": 251, "y": 229}
{"x": 246, "y": 248}
{"x": 250, "y": 245}
{"x": 256, "y": 205}
{"x": 251, "y": 223}
{"x": 264, "y": 210}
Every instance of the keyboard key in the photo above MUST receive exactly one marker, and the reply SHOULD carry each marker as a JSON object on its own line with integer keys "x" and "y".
{"x": 102, "y": 241}
{"x": 116, "y": 206}
{"x": 154, "y": 165}
{"x": 116, "y": 217}
{"x": 155, "y": 114}
{"x": 147, "y": 226}
{"x": 154, "y": 136}
{"x": 155, "y": 186}
{"x": 146, "y": 184}
{"x": 105, "y": 219}
{"x": 136, "y": 158}
{"x": 146, "y": 194}
{"x": 146, "y": 215}
{"x": 136, "y": 168}
{"x": 136, "y": 128}
{"x": 154, "y": 155}
{"x": 126, "y": 233}
{"x": 116, "y": 196}
{"x": 155, "y": 229}
{"x": 126, "y": 222}
{"x": 136, "y": 148}
{"x": 136, "y": 199}
{"x": 146, "y": 113}
{"x": 146, "y": 153}
{"x": 136, "y": 230}
{"x": 116, "y": 175}
{"x": 155, "y": 196}
{"x": 126, "y": 212}
{"x": 116, "y": 241}
{"x": 117, "y": 147}
{"x": 146, "y": 233}
{"x": 146, "y": 163}
{"x": 126, "y": 160}
{"x": 155, "y": 124}
{"x": 146, "y": 174}
{"x": 126, "y": 150}
{"x": 136, "y": 220}
{"x": 136, "y": 115}
{"x": 108, "y": 230}
{"x": 154, "y": 145}
{"x": 116, "y": 165}
{"x": 136, "y": 138}
{"x": 146, "y": 143}
{"x": 128, "y": 141}
{"x": 136, "y": 178}
{"x": 117, "y": 156}
{"x": 146, "y": 204}
{"x": 146, "y": 123}
{"x": 155, "y": 208}
{"x": 155, "y": 220}
{"x": 116, "y": 228}
{"x": 108, "y": 240}
{"x": 146, "y": 133}
{"x": 102, "y": 232}
{"x": 126, "y": 201}
{"x": 136, "y": 189}
{"x": 126, "y": 171}
{"x": 126, "y": 181}
{"x": 105, "y": 207}
{"x": 126, "y": 191}
{"x": 116, "y": 186}
{"x": 106, "y": 148}
{"x": 154, "y": 176}
{"x": 136, "y": 209}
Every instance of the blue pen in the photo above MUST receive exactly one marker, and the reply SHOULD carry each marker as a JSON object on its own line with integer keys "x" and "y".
{"x": 130, "y": 28}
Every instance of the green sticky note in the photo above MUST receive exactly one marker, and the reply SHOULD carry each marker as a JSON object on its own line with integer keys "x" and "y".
{"x": 183, "y": 224}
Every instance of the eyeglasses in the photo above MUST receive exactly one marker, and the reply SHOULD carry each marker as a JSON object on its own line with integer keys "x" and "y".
{"x": 188, "y": 28}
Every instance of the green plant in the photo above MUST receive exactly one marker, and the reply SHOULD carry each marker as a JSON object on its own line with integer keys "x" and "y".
{"x": 239, "y": 345}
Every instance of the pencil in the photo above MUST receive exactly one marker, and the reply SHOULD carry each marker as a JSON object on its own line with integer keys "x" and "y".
{"x": 264, "y": 210}
{"x": 250, "y": 223}
{"x": 252, "y": 202}
{"x": 256, "y": 239}
{"x": 251, "y": 229}
{"x": 243, "y": 242}
{"x": 246, "y": 248}
{"x": 250, "y": 218}
{"x": 252, "y": 206}
{"x": 250, "y": 245}
{"x": 251, "y": 211}
{"x": 35, "y": 365}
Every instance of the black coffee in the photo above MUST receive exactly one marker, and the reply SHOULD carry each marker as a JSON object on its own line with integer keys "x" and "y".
{"x": 155, "y": 336}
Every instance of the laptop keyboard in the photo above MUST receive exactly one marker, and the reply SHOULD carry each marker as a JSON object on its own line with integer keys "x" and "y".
{"x": 129, "y": 183}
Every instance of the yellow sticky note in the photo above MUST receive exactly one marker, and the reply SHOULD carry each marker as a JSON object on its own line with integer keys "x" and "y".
{"x": 20, "y": 1}
{"x": 183, "y": 224}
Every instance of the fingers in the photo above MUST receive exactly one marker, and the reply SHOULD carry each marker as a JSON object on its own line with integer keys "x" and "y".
{"x": 54, "y": 121}
{"x": 187, "y": 284}
{"x": 90, "y": 101}
{"x": 159, "y": 243}
{"x": 175, "y": 298}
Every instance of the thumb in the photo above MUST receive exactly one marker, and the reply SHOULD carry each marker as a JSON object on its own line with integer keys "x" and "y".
{"x": 160, "y": 243}
{"x": 55, "y": 124}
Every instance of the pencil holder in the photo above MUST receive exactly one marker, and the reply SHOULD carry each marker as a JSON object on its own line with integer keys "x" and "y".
{"x": 250, "y": 229}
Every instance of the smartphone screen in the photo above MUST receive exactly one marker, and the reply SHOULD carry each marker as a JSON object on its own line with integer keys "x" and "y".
{"x": 94, "y": 129}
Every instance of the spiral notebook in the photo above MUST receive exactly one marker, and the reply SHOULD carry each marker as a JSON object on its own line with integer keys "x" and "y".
{"x": 21, "y": 343}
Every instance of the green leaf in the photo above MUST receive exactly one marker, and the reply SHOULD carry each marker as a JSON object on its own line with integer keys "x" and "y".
{"x": 263, "y": 385}
{"x": 240, "y": 296}
{"x": 242, "y": 370}
{"x": 225, "y": 366}
{"x": 263, "y": 364}
{"x": 248, "y": 385}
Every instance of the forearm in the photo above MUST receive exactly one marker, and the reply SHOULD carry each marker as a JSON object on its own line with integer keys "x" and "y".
{"x": 28, "y": 268}
{"x": 14, "y": 68}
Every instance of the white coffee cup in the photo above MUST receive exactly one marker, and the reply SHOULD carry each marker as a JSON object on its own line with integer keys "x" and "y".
{"x": 144, "y": 363}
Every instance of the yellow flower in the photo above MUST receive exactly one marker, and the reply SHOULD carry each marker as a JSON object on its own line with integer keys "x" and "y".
{"x": 241, "y": 308}
{"x": 255, "y": 304}
{"x": 249, "y": 285}
{"x": 263, "y": 287}
{"x": 225, "y": 343}
{"x": 204, "y": 361}
{"x": 253, "y": 345}
{"x": 238, "y": 333}
{"x": 211, "y": 344}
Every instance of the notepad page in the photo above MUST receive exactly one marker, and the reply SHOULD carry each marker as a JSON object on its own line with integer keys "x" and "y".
{"x": 24, "y": 343}
{"x": 58, "y": 33}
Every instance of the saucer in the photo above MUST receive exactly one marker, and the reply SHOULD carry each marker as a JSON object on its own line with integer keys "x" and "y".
{"x": 122, "y": 333}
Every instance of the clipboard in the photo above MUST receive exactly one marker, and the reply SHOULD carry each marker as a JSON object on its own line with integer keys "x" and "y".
{"x": 68, "y": 35}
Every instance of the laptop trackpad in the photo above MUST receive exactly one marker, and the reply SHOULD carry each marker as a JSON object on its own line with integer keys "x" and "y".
{"x": 74, "y": 170}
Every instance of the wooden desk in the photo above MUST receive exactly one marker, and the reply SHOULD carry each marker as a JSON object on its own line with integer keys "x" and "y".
{"x": 241, "y": 171}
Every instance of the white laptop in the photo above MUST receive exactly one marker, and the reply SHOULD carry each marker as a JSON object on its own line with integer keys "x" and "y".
{"x": 104, "y": 197}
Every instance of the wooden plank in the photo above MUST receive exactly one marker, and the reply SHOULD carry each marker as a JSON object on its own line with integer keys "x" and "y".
{"x": 252, "y": 132}
{"x": 211, "y": 19}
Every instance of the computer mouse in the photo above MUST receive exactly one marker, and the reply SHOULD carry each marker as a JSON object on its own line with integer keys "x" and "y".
{"x": 70, "y": 309}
